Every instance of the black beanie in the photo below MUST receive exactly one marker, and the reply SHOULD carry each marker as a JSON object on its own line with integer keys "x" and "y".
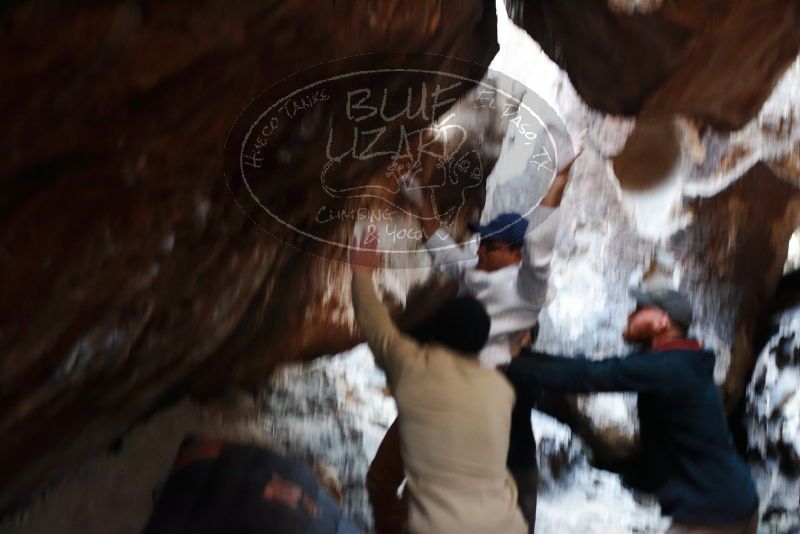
{"x": 462, "y": 324}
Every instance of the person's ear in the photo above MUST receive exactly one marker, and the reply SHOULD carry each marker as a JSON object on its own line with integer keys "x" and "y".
{"x": 517, "y": 254}
{"x": 663, "y": 322}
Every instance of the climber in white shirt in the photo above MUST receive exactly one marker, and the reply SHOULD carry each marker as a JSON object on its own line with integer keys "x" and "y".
{"x": 509, "y": 275}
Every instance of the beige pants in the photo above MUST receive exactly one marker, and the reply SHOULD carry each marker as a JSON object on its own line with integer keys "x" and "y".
{"x": 748, "y": 526}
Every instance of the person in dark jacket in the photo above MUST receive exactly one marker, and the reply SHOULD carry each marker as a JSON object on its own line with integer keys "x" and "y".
{"x": 217, "y": 487}
{"x": 688, "y": 458}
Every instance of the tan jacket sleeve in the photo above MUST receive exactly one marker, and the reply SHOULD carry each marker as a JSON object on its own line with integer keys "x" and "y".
{"x": 393, "y": 350}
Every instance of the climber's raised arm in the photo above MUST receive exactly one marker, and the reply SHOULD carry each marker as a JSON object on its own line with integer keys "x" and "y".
{"x": 540, "y": 239}
{"x": 392, "y": 349}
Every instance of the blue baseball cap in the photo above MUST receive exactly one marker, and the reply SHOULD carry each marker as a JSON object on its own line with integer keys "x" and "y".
{"x": 506, "y": 227}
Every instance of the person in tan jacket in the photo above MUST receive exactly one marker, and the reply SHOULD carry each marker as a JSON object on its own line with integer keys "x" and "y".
{"x": 454, "y": 414}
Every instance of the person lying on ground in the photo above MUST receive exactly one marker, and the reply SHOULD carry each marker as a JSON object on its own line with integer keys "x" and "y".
{"x": 453, "y": 414}
{"x": 687, "y": 455}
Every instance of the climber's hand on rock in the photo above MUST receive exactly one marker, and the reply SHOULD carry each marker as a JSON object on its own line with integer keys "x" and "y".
{"x": 364, "y": 255}
{"x": 420, "y": 199}
{"x": 411, "y": 192}
{"x": 580, "y": 142}
{"x": 556, "y": 191}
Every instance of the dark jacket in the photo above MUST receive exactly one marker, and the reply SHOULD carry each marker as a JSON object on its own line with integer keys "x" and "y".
{"x": 687, "y": 449}
{"x": 222, "y": 488}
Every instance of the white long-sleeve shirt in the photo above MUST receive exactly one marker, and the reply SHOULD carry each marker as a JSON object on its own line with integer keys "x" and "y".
{"x": 513, "y": 296}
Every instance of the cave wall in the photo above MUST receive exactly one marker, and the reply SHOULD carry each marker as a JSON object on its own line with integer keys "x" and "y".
{"x": 713, "y": 60}
{"x": 126, "y": 265}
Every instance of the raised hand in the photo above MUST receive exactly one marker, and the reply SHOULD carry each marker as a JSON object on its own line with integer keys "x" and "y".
{"x": 411, "y": 191}
{"x": 420, "y": 199}
{"x": 556, "y": 191}
{"x": 365, "y": 254}
{"x": 580, "y": 142}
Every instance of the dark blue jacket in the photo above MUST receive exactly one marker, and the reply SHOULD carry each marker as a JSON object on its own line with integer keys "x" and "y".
{"x": 222, "y": 488}
{"x": 687, "y": 449}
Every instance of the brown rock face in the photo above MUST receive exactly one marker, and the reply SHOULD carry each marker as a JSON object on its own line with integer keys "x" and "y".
{"x": 126, "y": 265}
{"x": 714, "y": 60}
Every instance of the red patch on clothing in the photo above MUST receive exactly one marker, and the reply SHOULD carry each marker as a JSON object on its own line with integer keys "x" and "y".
{"x": 678, "y": 344}
{"x": 203, "y": 449}
{"x": 282, "y": 491}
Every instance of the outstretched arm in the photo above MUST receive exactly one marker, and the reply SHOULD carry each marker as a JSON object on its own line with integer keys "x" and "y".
{"x": 534, "y": 273}
{"x": 539, "y": 242}
{"x": 392, "y": 349}
{"x": 645, "y": 372}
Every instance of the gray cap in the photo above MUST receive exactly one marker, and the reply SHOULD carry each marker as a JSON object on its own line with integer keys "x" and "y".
{"x": 675, "y": 304}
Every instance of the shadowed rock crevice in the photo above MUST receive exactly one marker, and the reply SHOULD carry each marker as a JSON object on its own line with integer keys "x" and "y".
{"x": 713, "y": 60}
